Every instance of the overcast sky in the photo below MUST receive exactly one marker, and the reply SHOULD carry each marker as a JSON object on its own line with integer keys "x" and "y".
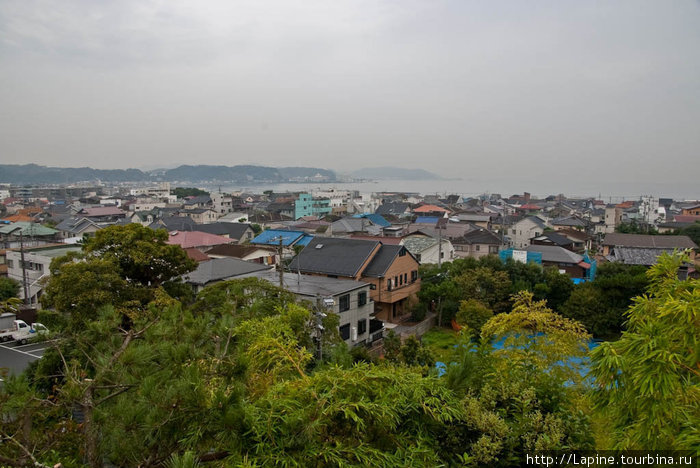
{"x": 525, "y": 89}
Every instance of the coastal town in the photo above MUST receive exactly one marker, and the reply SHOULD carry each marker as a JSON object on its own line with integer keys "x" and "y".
{"x": 361, "y": 252}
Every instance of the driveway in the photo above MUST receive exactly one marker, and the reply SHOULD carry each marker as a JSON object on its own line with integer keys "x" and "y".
{"x": 17, "y": 358}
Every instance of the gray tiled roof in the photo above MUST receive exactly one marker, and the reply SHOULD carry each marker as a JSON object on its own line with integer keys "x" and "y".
{"x": 556, "y": 254}
{"x": 636, "y": 256}
{"x": 334, "y": 256}
{"x": 232, "y": 230}
{"x": 219, "y": 269}
{"x": 383, "y": 260}
{"x": 617, "y": 239}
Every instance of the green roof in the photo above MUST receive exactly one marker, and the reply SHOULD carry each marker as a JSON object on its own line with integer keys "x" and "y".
{"x": 27, "y": 229}
{"x": 54, "y": 251}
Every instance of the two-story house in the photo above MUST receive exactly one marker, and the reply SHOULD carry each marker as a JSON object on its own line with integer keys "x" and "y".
{"x": 350, "y": 300}
{"x": 521, "y": 232}
{"x": 391, "y": 270}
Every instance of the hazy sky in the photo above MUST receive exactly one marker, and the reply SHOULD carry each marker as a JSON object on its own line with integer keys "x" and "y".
{"x": 523, "y": 89}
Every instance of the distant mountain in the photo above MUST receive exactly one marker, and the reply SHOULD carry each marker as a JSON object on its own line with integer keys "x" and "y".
{"x": 398, "y": 173}
{"x": 35, "y": 174}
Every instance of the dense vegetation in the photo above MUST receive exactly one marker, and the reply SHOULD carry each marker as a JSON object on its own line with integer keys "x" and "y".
{"x": 141, "y": 378}
{"x": 472, "y": 290}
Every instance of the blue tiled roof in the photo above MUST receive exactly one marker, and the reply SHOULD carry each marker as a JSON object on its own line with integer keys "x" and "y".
{"x": 426, "y": 220}
{"x": 272, "y": 237}
{"x": 376, "y": 219}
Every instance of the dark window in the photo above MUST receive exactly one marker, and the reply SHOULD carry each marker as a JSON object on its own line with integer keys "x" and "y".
{"x": 372, "y": 286}
{"x": 362, "y": 298}
{"x": 361, "y": 326}
{"x": 405, "y": 278}
{"x": 396, "y": 281}
{"x": 388, "y": 284}
{"x": 345, "y": 332}
{"x": 400, "y": 279}
{"x": 414, "y": 275}
{"x": 402, "y": 252}
{"x": 478, "y": 247}
{"x": 344, "y": 303}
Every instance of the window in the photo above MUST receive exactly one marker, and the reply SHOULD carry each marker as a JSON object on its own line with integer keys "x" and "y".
{"x": 402, "y": 252}
{"x": 388, "y": 284}
{"x": 414, "y": 276}
{"x": 362, "y": 298}
{"x": 477, "y": 247}
{"x": 344, "y": 303}
{"x": 400, "y": 280}
{"x": 372, "y": 286}
{"x": 10, "y": 263}
{"x": 345, "y": 332}
{"x": 405, "y": 278}
{"x": 418, "y": 257}
{"x": 361, "y": 326}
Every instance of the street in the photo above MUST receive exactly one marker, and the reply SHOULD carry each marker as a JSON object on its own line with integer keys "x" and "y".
{"x": 17, "y": 358}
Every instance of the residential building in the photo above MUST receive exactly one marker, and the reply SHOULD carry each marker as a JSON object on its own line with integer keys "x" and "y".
{"x": 476, "y": 244}
{"x": 200, "y": 215}
{"x": 307, "y": 205}
{"x": 220, "y": 269}
{"x": 249, "y": 253}
{"x": 521, "y": 232}
{"x": 36, "y": 267}
{"x": 428, "y": 250}
{"x": 239, "y": 232}
{"x": 566, "y": 261}
{"x": 350, "y": 300}
{"x": 640, "y": 249}
{"x": 391, "y": 270}
{"x": 692, "y": 210}
{"x": 196, "y": 239}
{"x": 613, "y": 217}
{"x": 288, "y": 239}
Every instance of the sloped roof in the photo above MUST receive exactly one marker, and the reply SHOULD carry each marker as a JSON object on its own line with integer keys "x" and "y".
{"x": 474, "y": 218}
{"x": 232, "y": 230}
{"x": 426, "y": 220}
{"x": 219, "y": 269}
{"x": 310, "y": 285}
{"x": 175, "y": 223}
{"x": 198, "y": 200}
{"x": 76, "y": 224}
{"x": 186, "y": 239}
{"x": 555, "y": 238}
{"x": 375, "y": 219}
{"x": 236, "y": 250}
{"x": 94, "y": 211}
{"x": 479, "y": 236}
{"x": 569, "y": 221}
{"x": 617, "y": 239}
{"x": 383, "y": 260}
{"x": 556, "y": 254}
{"x": 334, "y": 256}
{"x": 417, "y": 244}
{"x": 272, "y": 237}
{"x": 392, "y": 208}
{"x": 430, "y": 209}
{"x": 637, "y": 256}
{"x": 27, "y": 229}
{"x": 383, "y": 239}
{"x": 197, "y": 255}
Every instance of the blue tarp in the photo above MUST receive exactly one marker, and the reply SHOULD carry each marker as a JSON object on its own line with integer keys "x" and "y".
{"x": 272, "y": 237}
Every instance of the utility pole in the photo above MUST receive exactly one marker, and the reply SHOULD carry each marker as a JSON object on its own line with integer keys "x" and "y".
{"x": 279, "y": 264}
{"x": 320, "y": 315}
{"x": 25, "y": 285}
{"x": 439, "y": 245}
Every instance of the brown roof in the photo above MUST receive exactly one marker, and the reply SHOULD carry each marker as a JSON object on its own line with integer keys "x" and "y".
{"x": 197, "y": 255}
{"x": 617, "y": 239}
{"x": 187, "y": 239}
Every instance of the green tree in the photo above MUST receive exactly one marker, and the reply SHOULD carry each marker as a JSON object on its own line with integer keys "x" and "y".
{"x": 491, "y": 288}
{"x": 184, "y": 192}
{"x": 473, "y": 314}
{"x": 141, "y": 254}
{"x": 649, "y": 380}
{"x": 8, "y": 288}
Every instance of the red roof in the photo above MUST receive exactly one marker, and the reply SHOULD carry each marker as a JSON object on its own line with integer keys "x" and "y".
{"x": 530, "y": 206}
{"x": 430, "y": 209}
{"x": 187, "y": 239}
{"x": 18, "y": 218}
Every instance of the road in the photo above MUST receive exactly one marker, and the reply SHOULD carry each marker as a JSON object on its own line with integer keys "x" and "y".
{"x": 17, "y": 358}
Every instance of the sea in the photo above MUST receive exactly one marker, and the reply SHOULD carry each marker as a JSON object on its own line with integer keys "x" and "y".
{"x": 611, "y": 192}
